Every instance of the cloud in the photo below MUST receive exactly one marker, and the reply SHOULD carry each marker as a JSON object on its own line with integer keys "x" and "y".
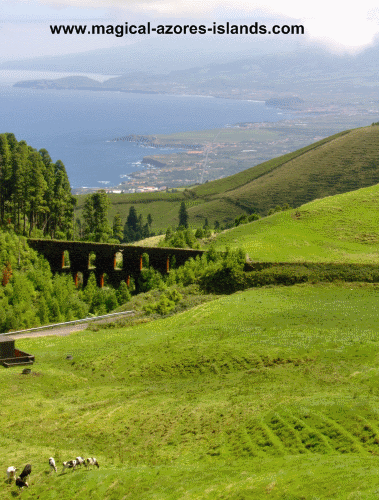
{"x": 328, "y": 23}
{"x": 324, "y": 21}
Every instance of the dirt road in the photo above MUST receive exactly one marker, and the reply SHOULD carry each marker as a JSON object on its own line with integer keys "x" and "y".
{"x": 60, "y": 330}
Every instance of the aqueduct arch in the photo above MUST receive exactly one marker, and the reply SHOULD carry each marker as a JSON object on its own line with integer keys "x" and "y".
{"x": 105, "y": 262}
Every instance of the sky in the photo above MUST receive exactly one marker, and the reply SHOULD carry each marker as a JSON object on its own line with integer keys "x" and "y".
{"x": 25, "y": 24}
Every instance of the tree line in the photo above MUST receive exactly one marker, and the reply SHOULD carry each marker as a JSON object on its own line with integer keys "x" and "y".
{"x": 96, "y": 226}
{"x": 35, "y": 193}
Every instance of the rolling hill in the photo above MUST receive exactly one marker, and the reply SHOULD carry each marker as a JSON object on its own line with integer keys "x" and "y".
{"x": 270, "y": 392}
{"x": 340, "y": 228}
{"x": 341, "y": 163}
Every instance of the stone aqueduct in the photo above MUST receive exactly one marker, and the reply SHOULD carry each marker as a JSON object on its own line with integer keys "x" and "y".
{"x": 105, "y": 262}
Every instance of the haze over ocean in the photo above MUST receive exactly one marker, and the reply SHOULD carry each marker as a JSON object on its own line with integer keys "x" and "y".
{"x": 76, "y": 126}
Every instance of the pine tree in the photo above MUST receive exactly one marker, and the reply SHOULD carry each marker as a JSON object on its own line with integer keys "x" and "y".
{"x": 132, "y": 219}
{"x": 89, "y": 218}
{"x": 37, "y": 189}
{"x": 64, "y": 202}
{"x": 5, "y": 174}
{"x": 117, "y": 227}
{"x": 130, "y": 228}
{"x": 100, "y": 206}
{"x": 149, "y": 220}
{"x": 95, "y": 214}
{"x": 183, "y": 215}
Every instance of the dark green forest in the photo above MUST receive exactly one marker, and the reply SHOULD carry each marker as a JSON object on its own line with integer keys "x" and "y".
{"x": 35, "y": 193}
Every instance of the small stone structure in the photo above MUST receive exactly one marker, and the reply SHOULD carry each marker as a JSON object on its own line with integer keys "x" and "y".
{"x": 10, "y": 356}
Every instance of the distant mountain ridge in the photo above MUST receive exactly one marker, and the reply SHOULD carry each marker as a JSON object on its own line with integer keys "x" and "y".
{"x": 152, "y": 57}
{"x": 287, "y": 71}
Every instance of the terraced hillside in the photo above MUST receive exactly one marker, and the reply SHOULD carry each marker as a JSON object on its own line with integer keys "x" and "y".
{"x": 341, "y": 163}
{"x": 341, "y": 228}
{"x": 270, "y": 392}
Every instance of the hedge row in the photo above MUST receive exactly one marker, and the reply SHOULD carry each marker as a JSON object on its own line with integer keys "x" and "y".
{"x": 229, "y": 279}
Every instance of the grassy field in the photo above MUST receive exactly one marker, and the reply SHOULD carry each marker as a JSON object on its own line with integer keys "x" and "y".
{"x": 153, "y": 241}
{"x": 220, "y": 135}
{"x": 341, "y": 228}
{"x": 165, "y": 211}
{"x": 272, "y": 392}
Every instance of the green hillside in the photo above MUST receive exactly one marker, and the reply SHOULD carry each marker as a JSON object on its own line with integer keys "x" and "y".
{"x": 267, "y": 393}
{"x": 343, "y": 162}
{"x": 341, "y": 228}
{"x": 244, "y": 178}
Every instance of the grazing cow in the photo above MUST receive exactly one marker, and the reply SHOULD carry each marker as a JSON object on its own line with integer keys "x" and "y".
{"x": 52, "y": 464}
{"x": 80, "y": 461}
{"x": 25, "y": 473}
{"x": 71, "y": 464}
{"x": 21, "y": 483}
{"x": 11, "y": 473}
{"x": 92, "y": 461}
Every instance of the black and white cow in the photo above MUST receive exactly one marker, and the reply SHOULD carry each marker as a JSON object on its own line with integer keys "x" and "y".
{"x": 71, "y": 464}
{"x": 52, "y": 464}
{"x": 26, "y": 472}
{"x": 80, "y": 461}
{"x": 21, "y": 483}
{"x": 92, "y": 461}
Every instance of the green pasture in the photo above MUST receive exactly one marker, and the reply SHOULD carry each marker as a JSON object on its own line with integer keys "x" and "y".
{"x": 229, "y": 135}
{"x": 135, "y": 198}
{"x": 164, "y": 213}
{"x": 244, "y": 178}
{"x": 341, "y": 163}
{"x": 269, "y": 393}
{"x": 341, "y": 228}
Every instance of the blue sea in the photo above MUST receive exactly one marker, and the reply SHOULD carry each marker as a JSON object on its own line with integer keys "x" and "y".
{"x": 78, "y": 127}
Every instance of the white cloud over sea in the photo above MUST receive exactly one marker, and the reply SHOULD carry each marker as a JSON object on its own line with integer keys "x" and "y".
{"x": 339, "y": 28}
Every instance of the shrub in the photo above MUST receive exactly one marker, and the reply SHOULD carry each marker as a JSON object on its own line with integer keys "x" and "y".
{"x": 182, "y": 238}
{"x": 163, "y": 306}
{"x": 174, "y": 295}
{"x": 150, "y": 279}
{"x": 253, "y": 217}
{"x": 123, "y": 293}
{"x": 199, "y": 233}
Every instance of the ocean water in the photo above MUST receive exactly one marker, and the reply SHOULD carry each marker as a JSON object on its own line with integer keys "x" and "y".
{"x": 78, "y": 127}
